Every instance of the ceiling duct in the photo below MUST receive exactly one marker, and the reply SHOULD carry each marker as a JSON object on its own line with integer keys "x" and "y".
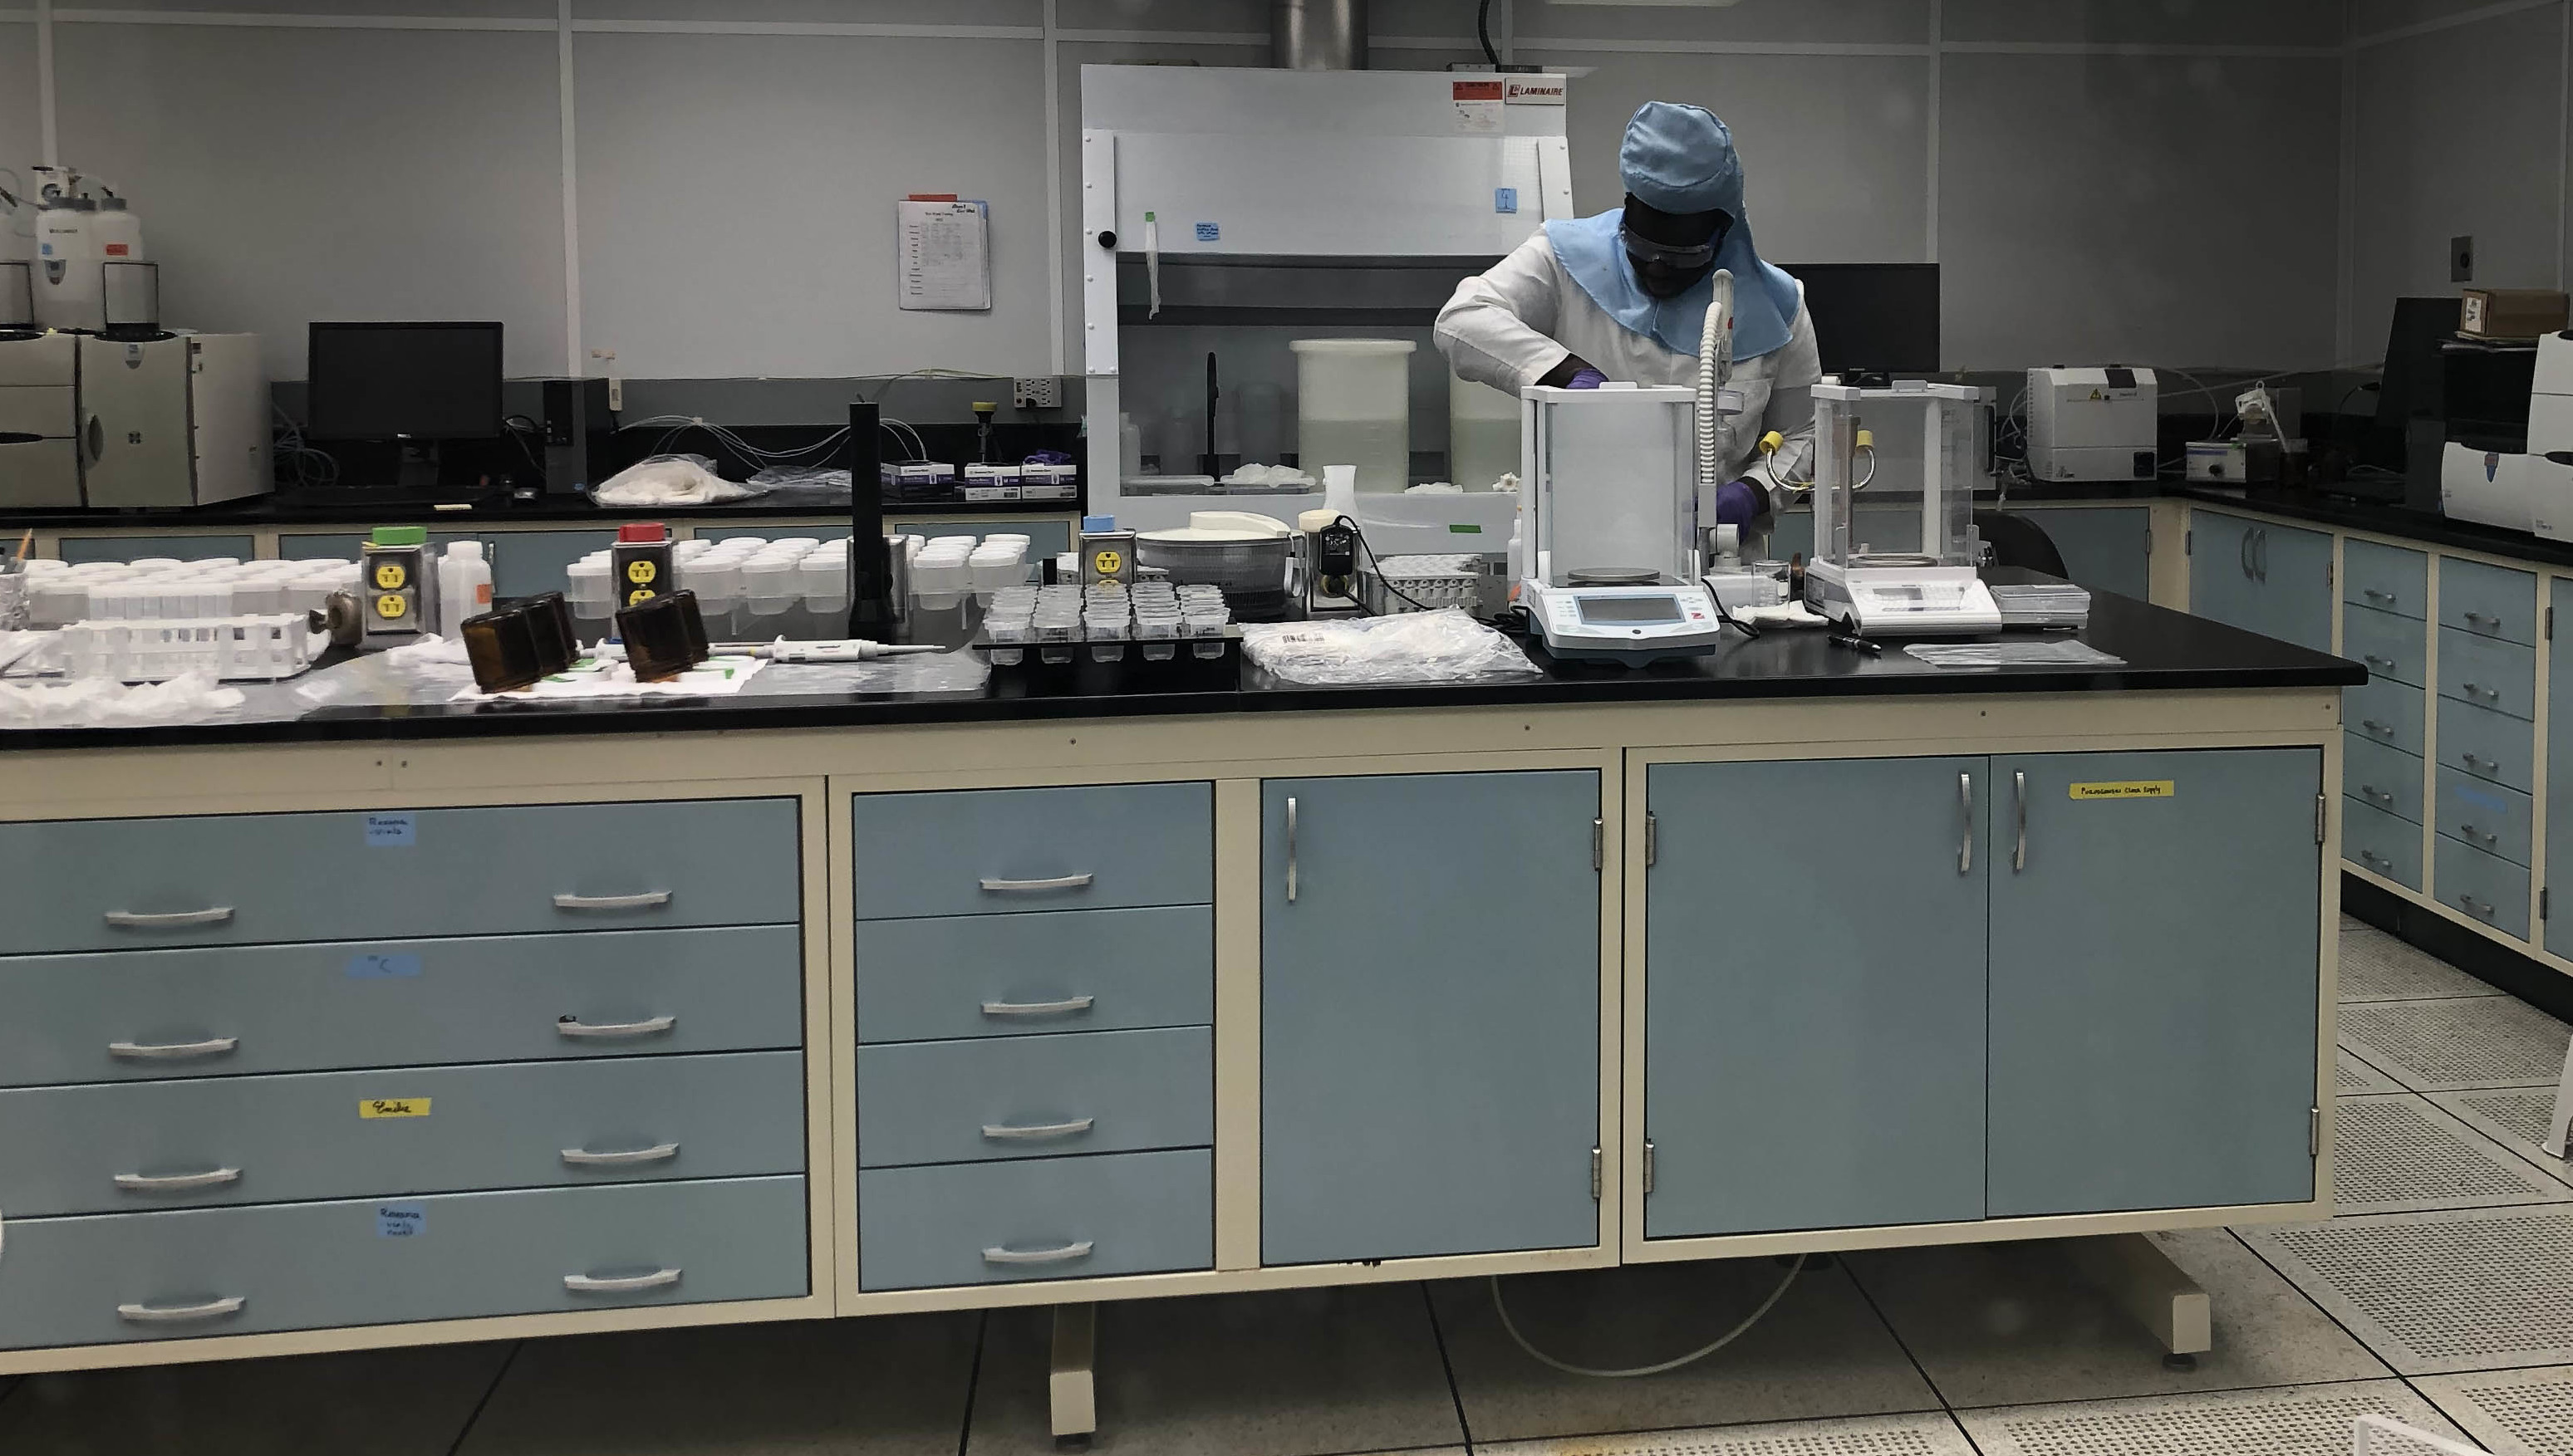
{"x": 1318, "y": 35}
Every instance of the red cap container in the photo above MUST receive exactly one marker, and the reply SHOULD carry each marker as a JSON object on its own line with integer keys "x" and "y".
{"x": 642, "y": 532}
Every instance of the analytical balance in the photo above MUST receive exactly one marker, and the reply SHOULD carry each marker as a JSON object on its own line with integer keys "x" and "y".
{"x": 1891, "y": 560}
{"x": 1613, "y": 565}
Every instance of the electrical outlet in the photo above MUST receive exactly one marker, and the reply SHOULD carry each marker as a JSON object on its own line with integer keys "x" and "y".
{"x": 1036, "y": 394}
{"x": 2461, "y": 260}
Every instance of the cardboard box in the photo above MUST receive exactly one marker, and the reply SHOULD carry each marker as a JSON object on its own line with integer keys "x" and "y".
{"x": 2510, "y": 312}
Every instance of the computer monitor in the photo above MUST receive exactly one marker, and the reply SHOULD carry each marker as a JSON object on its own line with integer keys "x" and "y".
{"x": 410, "y": 382}
{"x": 1878, "y": 316}
{"x": 2413, "y": 382}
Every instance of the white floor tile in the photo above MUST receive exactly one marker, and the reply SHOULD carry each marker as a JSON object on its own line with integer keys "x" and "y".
{"x": 2013, "y": 1324}
{"x": 1301, "y": 1372}
{"x": 2459, "y": 1042}
{"x": 2309, "y": 1420}
{"x": 2514, "y": 1413}
{"x": 2352, "y": 1076}
{"x": 2443, "y": 1292}
{"x": 2375, "y": 966}
{"x": 2396, "y": 1153}
{"x": 1820, "y": 1352}
{"x": 884, "y": 1385}
{"x": 381, "y": 1402}
{"x": 1928, "y": 1434}
{"x": 2515, "y": 1118}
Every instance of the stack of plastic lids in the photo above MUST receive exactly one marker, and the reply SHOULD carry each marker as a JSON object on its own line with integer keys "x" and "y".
{"x": 165, "y": 590}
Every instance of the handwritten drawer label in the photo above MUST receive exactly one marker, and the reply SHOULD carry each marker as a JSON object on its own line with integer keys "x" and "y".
{"x": 392, "y": 831}
{"x": 369, "y": 967}
{"x": 401, "y": 1221}
{"x": 374, "y": 1107}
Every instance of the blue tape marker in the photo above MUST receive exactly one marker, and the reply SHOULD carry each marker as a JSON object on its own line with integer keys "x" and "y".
{"x": 401, "y": 1221}
{"x": 366, "y": 967}
{"x": 391, "y": 830}
{"x": 1505, "y": 199}
{"x": 1210, "y": 233}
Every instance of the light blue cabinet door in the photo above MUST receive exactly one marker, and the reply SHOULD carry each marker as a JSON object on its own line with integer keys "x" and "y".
{"x": 2275, "y": 580}
{"x": 2558, "y": 807}
{"x": 1429, "y": 1032}
{"x": 2154, "y": 964}
{"x": 2106, "y": 549}
{"x": 1814, "y": 1044}
{"x": 2221, "y": 581}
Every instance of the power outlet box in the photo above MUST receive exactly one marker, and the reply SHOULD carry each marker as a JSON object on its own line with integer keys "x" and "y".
{"x": 1039, "y": 393}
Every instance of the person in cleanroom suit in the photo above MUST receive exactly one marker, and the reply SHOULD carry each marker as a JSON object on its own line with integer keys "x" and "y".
{"x": 1623, "y": 296}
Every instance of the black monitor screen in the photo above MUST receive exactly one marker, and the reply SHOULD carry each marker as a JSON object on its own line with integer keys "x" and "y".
{"x": 1638, "y": 609}
{"x": 2412, "y": 382}
{"x": 422, "y": 381}
{"x": 1882, "y": 317}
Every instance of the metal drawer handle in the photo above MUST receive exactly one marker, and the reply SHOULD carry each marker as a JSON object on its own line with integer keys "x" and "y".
{"x": 657, "y": 1152}
{"x": 2476, "y": 907}
{"x": 2481, "y": 692}
{"x": 588, "y": 1284}
{"x": 1062, "y": 1008}
{"x": 2019, "y": 856}
{"x": 1038, "y": 1131}
{"x": 179, "y": 1314}
{"x": 2372, "y": 726}
{"x": 572, "y": 1026}
{"x": 2470, "y": 760}
{"x": 649, "y": 900}
{"x": 1966, "y": 824}
{"x": 2372, "y": 594}
{"x": 2472, "y": 831}
{"x": 171, "y": 920}
{"x": 177, "y": 1182}
{"x": 2373, "y": 858}
{"x": 172, "y": 1050}
{"x": 1038, "y": 887}
{"x": 1063, "y": 1255}
{"x": 2372, "y": 660}
{"x": 1291, "y": 850}
{"x": 2480, "y": 617}
{"x": 2373, "y": 792}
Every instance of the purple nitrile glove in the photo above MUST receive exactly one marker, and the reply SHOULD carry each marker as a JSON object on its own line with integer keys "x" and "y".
{"x": 1738, "y": 503}
{"x": 1585, "y": 380}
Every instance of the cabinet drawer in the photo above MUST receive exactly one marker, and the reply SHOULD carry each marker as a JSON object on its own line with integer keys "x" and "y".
{"x": 1052, "y": 1218}
{"x": 2491, "y": 817}
{"x": 2487, "y": 888}
{"x": 2390, "y": 646}
{"x": 2491, "y": 674}
{"x": 2387, "y": 578}
{"x": 2382, "y": 710}
{"x": 1053, "y": 970}
{"x": 2382, "y": 778}
{"x": 2374, "y": 840}
{"x": 2490, "y": 602}
{"x": 257, "y": 878}
{"x": 2487, "y": 744}
{"x": 101, "y": 1279}
{"x": 1033, "y": 1096}
{"x": 991, "y": 851}
{"x": 292, "y": 1138}
{"x": 226, "y": 1011}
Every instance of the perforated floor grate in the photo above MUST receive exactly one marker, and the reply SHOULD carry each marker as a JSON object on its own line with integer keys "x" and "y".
{"x": 2522, "y": 1414}
{"x": 2351, "y": 1076}
{"x": 1929, "y": 1434}
{"x": 2453, "y": 1045}
{"x": 2398, "y": 1153}
{"x": 2437, "y": 1294}
{"x": 2310, "y": 1420}
{"x": 2514, "y": 1118}
{"x": 2375, "y": 966}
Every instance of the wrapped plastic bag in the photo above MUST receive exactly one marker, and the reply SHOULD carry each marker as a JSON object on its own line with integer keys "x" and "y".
{"x": 1440, "y": 646}
{"x": 671, "y": 481}
{"x": 193, "y": 697}
{"x": 831, "y": 479}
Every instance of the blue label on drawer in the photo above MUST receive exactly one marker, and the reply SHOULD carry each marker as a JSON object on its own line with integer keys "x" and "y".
{"x": 385, "y": 830}
{"x": 364, "y": 966}
{"x": 401, "y": 1221}
{"x": 2480, "y": 799}
{"x": 1505, "y": 199}
{"x": 1210, "y": 233}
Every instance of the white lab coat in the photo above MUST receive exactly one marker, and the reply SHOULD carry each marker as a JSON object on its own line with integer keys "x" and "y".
{"x": 1506, "y": 328}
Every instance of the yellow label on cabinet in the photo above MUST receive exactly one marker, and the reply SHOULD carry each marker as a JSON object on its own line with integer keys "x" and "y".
{"x": 374, "y": 1107}
{"x": 2135, "y": 789}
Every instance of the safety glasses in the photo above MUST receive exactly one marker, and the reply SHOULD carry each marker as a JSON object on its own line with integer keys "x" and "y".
{"x": 1645, "y": 251}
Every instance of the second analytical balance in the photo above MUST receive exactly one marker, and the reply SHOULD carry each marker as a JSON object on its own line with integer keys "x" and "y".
{"x": 1612, "y": 570}
{"x": 1896, "y": 561}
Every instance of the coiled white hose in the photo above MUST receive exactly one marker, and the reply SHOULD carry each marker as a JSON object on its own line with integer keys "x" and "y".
{"x": 1714, "y": 371}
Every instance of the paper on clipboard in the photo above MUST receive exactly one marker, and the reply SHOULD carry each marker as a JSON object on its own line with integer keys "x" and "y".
{"x": 946, "y": 253}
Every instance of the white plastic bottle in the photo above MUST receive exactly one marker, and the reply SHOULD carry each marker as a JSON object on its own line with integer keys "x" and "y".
{"x": 463, "y": 586}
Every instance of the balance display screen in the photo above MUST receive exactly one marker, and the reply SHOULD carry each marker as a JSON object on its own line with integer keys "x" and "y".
{"x": 1629, "y": 610}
